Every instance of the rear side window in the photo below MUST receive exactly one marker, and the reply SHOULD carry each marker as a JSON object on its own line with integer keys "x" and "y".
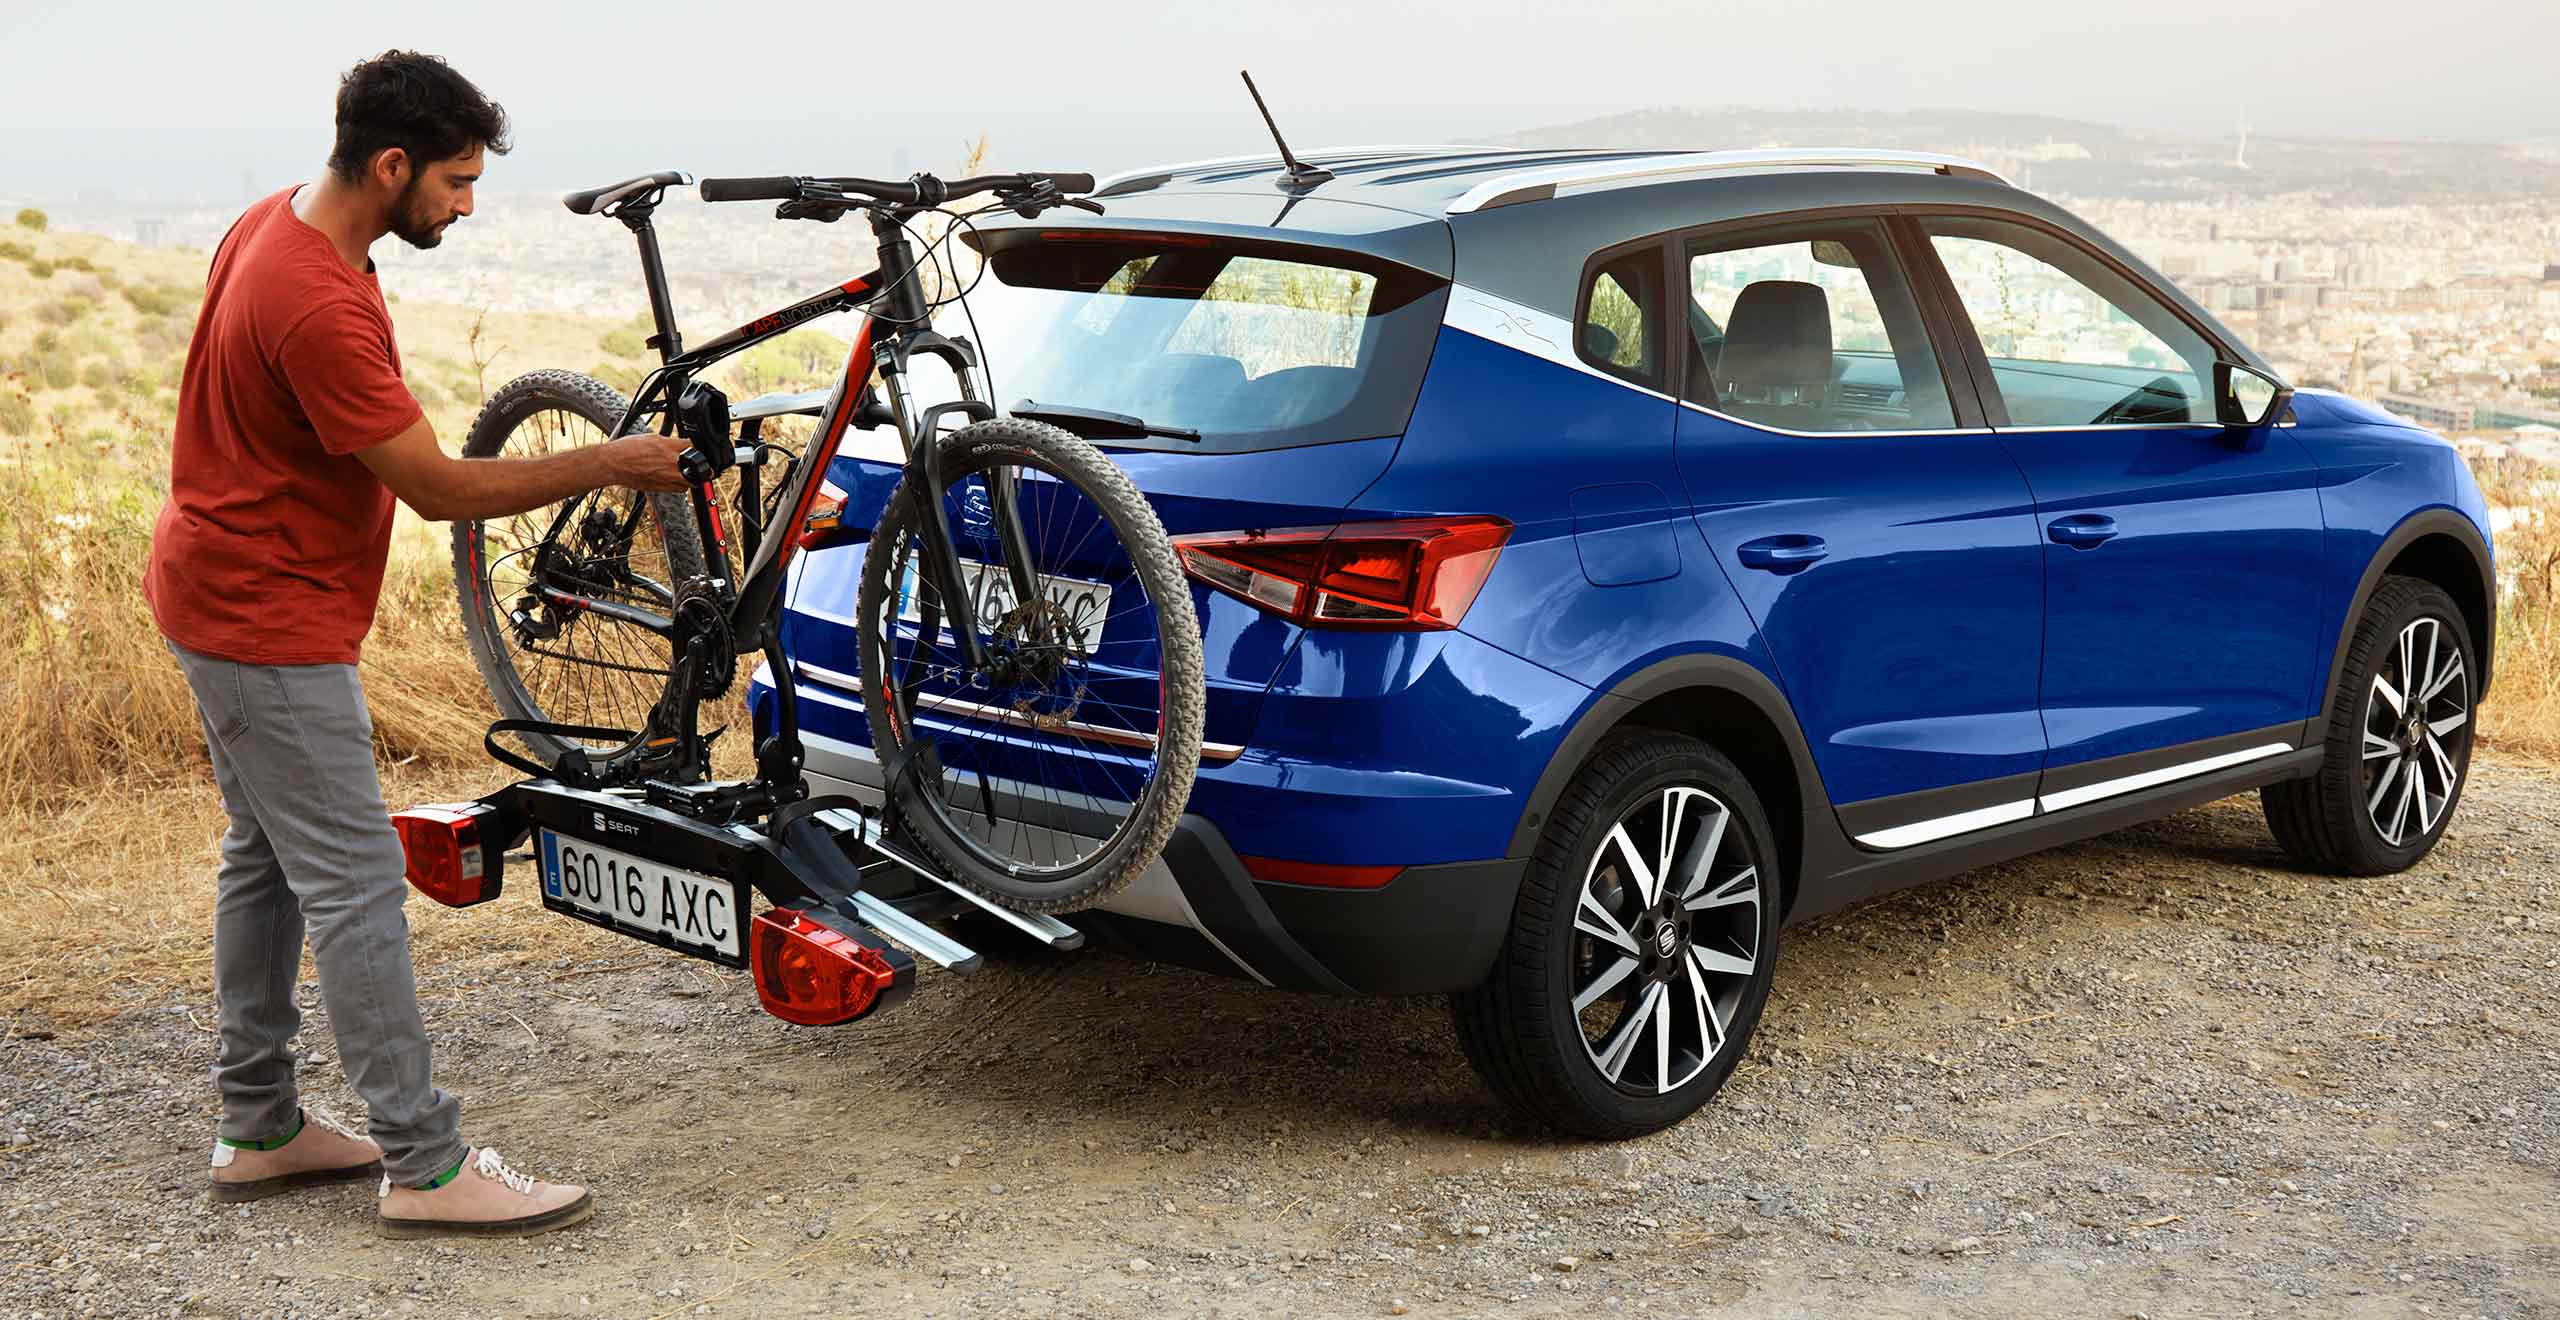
{"x": 1810, "y": 328}
{"x": 1622, "y": 314}
{"x": 2072, "y": 342}
{"x": 1252, "y": 345}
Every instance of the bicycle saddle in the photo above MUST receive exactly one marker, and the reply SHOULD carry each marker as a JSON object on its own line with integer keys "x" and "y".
{"x": 596, "y": 199}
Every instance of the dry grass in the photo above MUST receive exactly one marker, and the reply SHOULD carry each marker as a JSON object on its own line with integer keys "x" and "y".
{"x": 107, "y": 903}
{"x": 2522, "y": 714}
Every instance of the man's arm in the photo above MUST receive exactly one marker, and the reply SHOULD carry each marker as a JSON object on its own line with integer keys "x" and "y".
{"x": 446, "y": 489}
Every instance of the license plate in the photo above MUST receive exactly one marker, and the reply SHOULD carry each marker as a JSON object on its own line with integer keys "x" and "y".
{"x": 641, "y": 897}
{"x": 1084, "y": 603}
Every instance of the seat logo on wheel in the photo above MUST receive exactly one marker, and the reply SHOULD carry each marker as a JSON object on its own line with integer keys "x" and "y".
{"x": 1666, "y": 941}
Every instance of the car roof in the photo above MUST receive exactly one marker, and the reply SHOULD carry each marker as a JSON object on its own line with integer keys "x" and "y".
{"x": 1456, "y": 180}
{"x": 1412, "y": 205}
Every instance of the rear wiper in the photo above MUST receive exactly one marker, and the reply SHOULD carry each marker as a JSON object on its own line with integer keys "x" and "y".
{"x": 1095, "y": 424}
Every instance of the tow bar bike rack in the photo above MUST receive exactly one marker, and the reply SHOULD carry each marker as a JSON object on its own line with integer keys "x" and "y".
{"x": 849, "y": 908}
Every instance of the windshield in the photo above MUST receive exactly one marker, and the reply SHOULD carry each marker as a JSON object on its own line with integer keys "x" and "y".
{"x": 1253, "y": 346}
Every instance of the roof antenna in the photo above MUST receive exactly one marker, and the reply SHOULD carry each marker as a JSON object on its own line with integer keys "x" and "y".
{"x": 1300, "y": 174}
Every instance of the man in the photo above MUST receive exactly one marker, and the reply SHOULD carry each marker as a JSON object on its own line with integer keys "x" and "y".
{"x": 294, "y": 433}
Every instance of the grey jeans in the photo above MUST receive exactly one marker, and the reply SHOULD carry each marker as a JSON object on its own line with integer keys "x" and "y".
{"x": 311, "y": 843}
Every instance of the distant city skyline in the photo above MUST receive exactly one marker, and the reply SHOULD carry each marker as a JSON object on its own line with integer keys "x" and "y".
{"x": 174, "y": 101}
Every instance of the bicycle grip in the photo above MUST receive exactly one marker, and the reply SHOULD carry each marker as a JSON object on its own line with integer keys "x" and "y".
{"x": 1070, "y": 183}
{"x": 749, "y": 190}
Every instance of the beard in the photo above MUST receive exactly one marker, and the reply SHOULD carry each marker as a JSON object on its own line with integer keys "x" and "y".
{"x": 409, "y": 221}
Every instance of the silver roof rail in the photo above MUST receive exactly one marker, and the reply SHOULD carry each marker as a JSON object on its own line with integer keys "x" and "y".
{"x": 1273, "y": 159}
{"x": 1539, "y": 185}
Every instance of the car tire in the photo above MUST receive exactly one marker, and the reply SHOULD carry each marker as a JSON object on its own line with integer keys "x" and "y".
{"x": 1599, "y": 948}
{"x": 2391, "y": 774}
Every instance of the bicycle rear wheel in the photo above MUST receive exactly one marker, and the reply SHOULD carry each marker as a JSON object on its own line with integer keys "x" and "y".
{"x": 543, "y": 660}
{"x": 1053, "y": 774}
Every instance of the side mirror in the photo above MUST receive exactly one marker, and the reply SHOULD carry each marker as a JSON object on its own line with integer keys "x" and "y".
{"x": 2246, "y": 398}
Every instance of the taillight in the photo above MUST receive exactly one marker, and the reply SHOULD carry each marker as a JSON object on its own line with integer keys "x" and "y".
{"x": 810, "y": 973}
{"x": 1414, "y": 573}
{"x": 450, "y": 858}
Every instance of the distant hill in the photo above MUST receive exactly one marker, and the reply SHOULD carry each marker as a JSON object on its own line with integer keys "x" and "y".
{"x": 2084, "y": 159}
{"x": 94, "y": 332}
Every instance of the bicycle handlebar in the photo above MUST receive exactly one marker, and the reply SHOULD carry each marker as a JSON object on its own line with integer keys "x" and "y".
{"x": 748, "y": 190}
{"x": 922, "y": 190}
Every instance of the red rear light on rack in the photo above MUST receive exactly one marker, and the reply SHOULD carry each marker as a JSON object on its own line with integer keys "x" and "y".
{"x": 812, "y": 974}
{"x": 1410, "y": 574}
{"x": 450, "y": 858}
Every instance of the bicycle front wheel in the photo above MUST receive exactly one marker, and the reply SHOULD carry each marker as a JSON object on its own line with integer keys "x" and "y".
{"x": 1049, "y": 773}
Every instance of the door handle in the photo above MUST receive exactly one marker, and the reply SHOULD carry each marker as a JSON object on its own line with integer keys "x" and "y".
{"x": 1790, "y": 553}
{"x": 2081, "y": 531}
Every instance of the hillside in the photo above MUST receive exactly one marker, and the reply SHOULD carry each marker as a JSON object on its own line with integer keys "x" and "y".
{"x": 2084, "y": 159}
{"x": 93, "y": 334}
{"x": 93, "y": 339}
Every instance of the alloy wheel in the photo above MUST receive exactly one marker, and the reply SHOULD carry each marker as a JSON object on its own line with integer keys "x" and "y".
{"x": 2416, "y": 721}
{"x": 1666, "y": 940}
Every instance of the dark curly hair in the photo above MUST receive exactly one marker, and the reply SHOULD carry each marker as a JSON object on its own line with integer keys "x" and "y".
{"x": 417, "y": 103}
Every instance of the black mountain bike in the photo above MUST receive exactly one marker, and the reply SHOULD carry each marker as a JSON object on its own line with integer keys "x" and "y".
{"x": 1035, "y": 719}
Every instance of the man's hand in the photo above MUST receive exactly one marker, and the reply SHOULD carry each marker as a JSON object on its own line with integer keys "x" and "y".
{"x": 647, "y": 462}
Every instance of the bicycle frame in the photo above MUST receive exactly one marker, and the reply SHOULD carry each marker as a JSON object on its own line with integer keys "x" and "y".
{"x": 896, "y": 327}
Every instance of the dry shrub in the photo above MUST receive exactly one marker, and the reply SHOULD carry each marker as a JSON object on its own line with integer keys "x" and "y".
{"x": 94, "y": 699}
{"x": 66, "y": 312}
{"x": 2523, "y": 709}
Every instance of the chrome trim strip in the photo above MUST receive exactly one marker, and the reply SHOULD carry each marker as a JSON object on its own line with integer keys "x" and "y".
{"x": 1830, "y": 435}
{"x": 2072, "y": 797}
{"x": 1963, "y": 822}
{"x": 2112, "y": 426}
{"x": 1491, "y": 192}
{"x": 1219, "y": 753}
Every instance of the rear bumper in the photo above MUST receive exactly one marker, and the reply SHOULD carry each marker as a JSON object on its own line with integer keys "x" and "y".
{"x": 1434, "y": 929}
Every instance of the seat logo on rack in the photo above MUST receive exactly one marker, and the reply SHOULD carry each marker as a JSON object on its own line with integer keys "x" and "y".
{"x": 610, "y": 826}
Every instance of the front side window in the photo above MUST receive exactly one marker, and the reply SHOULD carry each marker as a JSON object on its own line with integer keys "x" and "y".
{"x": 1810, "y": 328}
{"x": 2071, "y": 341}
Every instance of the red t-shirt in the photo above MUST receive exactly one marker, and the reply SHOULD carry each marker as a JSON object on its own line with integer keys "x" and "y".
{"x": 270, "y": 549}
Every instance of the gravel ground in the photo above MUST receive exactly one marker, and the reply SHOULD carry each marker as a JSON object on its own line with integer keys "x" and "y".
{"x": 2154, "y": 1074}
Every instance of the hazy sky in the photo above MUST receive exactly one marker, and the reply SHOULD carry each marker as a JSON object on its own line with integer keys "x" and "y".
{"x": 174, "y": 100}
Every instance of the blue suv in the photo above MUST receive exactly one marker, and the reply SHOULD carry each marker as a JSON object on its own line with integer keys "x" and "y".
{"x": 1606, "y": 558}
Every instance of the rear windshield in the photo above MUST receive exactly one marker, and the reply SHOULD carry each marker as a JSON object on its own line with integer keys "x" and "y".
{"x": 1253, "y": 346}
